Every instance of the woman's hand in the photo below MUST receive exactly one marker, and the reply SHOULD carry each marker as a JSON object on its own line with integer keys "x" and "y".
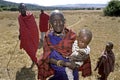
{"x": 70, "y": 65}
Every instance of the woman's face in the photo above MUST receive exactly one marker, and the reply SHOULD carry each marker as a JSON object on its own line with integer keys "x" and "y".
{"x": 57, "y": 23}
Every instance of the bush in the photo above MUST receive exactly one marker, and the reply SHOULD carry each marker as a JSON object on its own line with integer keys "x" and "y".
{"x": 113, "y": 8}
{"x": 13, "y": 9}
{"x": 1, "y": 10}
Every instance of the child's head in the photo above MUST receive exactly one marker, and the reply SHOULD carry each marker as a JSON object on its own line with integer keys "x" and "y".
{"x": 84, "y": 37}
{"x": 109, "y": 46}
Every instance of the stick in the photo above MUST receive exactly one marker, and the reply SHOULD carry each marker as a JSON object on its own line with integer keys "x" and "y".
{"x": 11, "y": 58}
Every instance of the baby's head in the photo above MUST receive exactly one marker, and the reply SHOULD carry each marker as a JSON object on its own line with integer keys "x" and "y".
{"x": 84, "y": 37}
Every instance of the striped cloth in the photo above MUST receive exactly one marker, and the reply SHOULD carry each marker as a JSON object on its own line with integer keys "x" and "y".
{"x": 64, "y": 47}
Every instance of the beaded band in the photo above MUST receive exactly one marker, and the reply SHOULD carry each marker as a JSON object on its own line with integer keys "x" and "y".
{"x": 59, "y": 62}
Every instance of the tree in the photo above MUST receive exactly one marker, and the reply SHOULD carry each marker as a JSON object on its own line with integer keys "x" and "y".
{"x": 1, "y": 10}
{"x": 113, "y": 8}
{"x": 13, "y": 9}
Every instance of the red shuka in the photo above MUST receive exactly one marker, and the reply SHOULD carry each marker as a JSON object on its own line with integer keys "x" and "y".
{"x": 86, "y": 67}
{"x": 29, "y": 36}
{"x": 64, "y": 47}
{"x": 43, "y": 22}
{"x": 106, "y": 63}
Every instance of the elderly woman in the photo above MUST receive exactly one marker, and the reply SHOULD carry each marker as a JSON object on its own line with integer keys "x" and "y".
{"x": 57, "y": 47}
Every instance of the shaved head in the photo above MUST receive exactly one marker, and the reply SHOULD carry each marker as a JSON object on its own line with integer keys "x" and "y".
{"x": 86, "y": 34}
{"x": 56, "y": 12}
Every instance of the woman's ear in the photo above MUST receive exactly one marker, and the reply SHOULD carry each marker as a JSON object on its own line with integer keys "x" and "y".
{"x": 50, "y": 25}
{"x": 64, "y": 21}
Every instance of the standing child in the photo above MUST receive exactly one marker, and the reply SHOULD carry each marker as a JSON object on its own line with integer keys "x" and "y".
{"x": 106, "y": 62}
{"x": 80, "y": 50}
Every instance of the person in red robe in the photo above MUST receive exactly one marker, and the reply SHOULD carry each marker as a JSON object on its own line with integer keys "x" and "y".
{"x": 28, "y": 33}
{"x": 106, "y": 62}
{"x": 43, "y": 24}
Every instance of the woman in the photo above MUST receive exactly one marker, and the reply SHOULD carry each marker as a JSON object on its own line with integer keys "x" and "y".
{"x": 57, "y": 46}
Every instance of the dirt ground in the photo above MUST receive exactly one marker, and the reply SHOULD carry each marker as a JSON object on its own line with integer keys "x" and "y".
{"x": 15, "y": 63}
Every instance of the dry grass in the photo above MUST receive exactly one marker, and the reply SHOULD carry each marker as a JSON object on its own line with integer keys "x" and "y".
{"x": 104, "y": 29}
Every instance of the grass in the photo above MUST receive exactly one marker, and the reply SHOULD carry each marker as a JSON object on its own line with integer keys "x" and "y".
{"x": 104, "y": 29}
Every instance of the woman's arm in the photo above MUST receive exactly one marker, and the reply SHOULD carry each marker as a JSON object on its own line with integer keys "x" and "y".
{"x": 57, "y": 62}
{"x": 63, "y": 63}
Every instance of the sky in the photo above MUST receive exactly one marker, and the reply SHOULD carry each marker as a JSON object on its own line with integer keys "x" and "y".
{"x": 60, "y": 2}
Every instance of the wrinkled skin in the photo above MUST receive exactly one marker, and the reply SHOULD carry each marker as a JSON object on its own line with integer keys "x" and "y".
{"x": 57, "y": 22}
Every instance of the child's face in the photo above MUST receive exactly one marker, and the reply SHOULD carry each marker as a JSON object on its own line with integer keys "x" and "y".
{"x": 82, "y": 41}
{"x": 108, "y": 47}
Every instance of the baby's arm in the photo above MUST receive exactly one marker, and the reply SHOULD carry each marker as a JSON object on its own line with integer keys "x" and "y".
{"x": 80, "y": 58}
{"x": 83, "y": 54}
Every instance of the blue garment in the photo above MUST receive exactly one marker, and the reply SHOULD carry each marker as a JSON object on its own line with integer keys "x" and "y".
{"x": 60, "y": 73}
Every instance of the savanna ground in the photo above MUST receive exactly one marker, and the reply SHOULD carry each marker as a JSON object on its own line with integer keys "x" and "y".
{"x": 15, "y": 63}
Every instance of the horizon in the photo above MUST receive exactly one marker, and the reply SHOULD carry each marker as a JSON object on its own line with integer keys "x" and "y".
{"x": 59, "y": 2}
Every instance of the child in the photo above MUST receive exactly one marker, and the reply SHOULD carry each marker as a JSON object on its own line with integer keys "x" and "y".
{"x": 80, "y": 50}
{"x": 106, "y": 62}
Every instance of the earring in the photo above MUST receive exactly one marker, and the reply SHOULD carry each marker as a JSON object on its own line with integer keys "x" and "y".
{"x": 50, "y": 27}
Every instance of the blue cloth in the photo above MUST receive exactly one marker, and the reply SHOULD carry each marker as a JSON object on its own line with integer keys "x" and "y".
{"x": 60, "y": 73}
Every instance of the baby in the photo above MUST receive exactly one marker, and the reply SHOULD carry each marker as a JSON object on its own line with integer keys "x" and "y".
{"x": 80, "y": 50}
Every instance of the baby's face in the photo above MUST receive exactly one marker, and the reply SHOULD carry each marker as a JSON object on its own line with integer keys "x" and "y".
{"x": 82, "y": 42}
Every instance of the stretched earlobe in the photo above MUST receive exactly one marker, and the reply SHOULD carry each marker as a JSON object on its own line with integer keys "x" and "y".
{"x": 50, "y": 24}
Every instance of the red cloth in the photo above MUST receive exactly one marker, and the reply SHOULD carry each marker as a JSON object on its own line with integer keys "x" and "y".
{"x": 64, "y": 47}
{"x": 29, "y": 36}
{"x": 86, "y": 68}
{"x": 106, "y": 63}
{"x": 43, "y": 22}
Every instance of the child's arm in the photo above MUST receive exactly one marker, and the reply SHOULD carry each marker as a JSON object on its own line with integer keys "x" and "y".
{"x": 97, "y": 65}
{"x": 99, "y": 62}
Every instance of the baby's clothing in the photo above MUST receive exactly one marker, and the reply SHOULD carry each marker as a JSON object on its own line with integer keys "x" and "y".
{"x": 75, "y": 52}
{"x": 76, "y": 49}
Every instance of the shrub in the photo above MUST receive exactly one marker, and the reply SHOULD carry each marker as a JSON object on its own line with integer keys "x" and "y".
{"x": 13, "y": 9}
{"x": 1, "y": 9}
{"x": 113, "y": 8}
